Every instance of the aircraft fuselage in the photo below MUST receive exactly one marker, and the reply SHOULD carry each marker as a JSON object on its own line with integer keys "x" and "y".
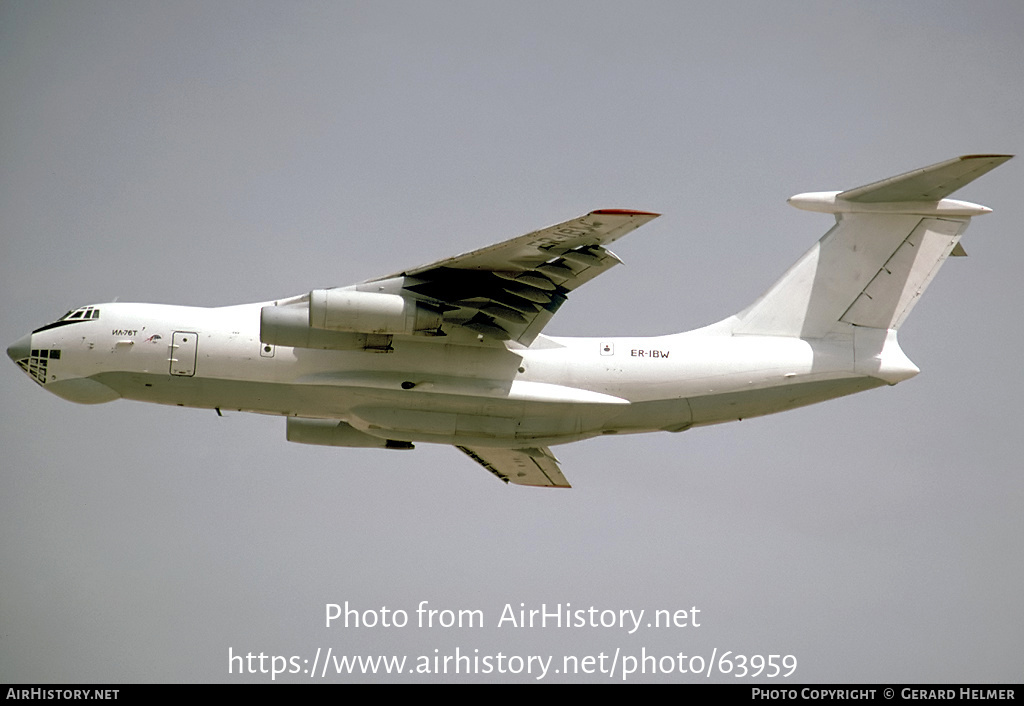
{"x": 466, "y": 391}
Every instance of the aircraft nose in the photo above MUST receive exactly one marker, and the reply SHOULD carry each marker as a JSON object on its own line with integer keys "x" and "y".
{"x": 21, "y": 348}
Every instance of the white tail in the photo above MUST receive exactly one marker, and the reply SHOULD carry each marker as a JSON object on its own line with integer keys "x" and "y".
{"x": 890, "y": 239}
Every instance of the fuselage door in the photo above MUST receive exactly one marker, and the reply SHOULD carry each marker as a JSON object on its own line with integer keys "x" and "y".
{"x": 184, "y": 345}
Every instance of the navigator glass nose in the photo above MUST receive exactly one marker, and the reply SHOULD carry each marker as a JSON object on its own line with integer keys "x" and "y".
{"x": 21, "y": 348}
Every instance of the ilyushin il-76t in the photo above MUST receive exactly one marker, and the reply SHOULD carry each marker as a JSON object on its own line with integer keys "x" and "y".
{"x": 452, "y": 352}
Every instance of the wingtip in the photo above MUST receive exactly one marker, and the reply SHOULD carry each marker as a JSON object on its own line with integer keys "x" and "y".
{"x": 623, "y": 212}
{"x": 1001, "y": 157}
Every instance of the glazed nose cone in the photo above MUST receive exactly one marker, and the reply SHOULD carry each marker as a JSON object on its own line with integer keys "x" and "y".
{"x": 21, "y": 348}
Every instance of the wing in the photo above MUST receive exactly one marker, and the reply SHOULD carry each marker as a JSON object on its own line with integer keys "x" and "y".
{"x": 510, "y": 291}
{"x": 535, "y": 466}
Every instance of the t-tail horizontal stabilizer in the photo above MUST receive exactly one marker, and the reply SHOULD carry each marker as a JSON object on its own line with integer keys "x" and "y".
{"x": 932, "y": 183}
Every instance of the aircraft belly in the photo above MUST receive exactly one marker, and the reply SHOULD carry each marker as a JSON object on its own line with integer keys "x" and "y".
{"x": 508, "y": 423}
{"x": 730, "y": 406}
{"x": 394, "y": 414}
{"x": 240, "y": 395}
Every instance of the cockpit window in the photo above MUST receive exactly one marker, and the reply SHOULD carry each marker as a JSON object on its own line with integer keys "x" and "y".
{"x": 73, "y": 317}
{"x": 85, "y": 312}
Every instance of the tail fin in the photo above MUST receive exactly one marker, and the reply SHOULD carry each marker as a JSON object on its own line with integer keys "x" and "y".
{"x": 870, "y": 269}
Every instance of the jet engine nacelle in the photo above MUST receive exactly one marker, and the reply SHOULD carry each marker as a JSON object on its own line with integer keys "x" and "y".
{"x": 289, "y": 326}
{"x": 369, "y": 312}
{"x": 331, "y": 432}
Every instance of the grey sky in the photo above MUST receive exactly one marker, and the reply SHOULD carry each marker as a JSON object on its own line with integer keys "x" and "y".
{"x": 217, "y": 153}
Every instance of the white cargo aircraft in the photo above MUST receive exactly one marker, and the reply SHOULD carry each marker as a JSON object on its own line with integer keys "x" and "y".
{"x": 452, "y": 352}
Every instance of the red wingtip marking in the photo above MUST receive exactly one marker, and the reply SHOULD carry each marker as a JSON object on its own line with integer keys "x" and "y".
{"x": 624, "y": 212}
